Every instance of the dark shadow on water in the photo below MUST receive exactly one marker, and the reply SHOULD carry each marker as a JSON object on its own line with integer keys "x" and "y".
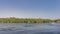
{"x": 47, "y": 33}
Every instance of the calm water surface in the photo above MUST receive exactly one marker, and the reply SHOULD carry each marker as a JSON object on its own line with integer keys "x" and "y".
{"x": 50, "y": 28}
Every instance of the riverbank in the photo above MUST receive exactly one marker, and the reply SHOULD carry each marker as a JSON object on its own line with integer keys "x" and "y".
{"x": 27, "y": 20}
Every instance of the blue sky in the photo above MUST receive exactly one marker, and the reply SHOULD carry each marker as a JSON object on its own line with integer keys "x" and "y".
{"x": 30, "y": 8}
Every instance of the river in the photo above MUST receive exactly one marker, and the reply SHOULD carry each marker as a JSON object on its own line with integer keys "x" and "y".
{"x": 22, "y": 28}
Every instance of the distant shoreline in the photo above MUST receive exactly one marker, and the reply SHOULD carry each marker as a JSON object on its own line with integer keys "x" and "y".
{"x": 27, "y": 20}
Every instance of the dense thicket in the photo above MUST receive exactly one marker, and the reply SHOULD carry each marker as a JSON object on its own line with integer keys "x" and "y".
{"x": 26, "y": 20}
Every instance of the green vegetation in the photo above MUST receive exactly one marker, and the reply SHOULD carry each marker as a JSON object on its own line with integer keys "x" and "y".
{"x": 26, "y": 20}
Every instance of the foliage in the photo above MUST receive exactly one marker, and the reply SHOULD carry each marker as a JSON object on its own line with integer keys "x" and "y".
{"x": 26, "y": 20}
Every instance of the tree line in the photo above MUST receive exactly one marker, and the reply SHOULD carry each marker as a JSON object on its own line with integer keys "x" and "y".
{"x": 27, "y": 20}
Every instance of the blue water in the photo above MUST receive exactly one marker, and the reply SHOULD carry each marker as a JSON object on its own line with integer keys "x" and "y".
{"x": 49, "y": 28}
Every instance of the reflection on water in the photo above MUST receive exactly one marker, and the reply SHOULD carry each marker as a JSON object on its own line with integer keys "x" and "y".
{"x": 50, "y": 28}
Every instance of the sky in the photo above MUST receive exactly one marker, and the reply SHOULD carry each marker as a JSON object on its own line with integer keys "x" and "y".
{"x": 30, "y": 8}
